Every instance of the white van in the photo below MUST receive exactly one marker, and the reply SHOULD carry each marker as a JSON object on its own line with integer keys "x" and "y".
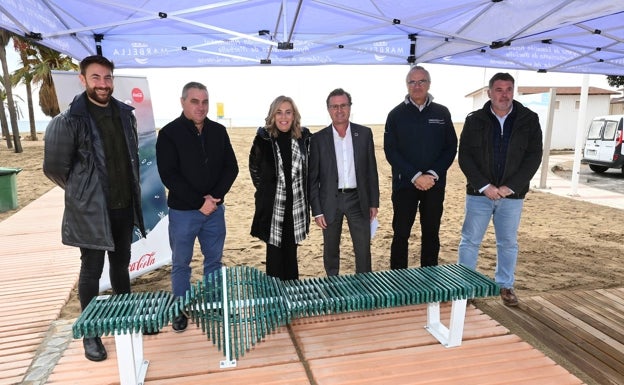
{"x": 603, "y": 146}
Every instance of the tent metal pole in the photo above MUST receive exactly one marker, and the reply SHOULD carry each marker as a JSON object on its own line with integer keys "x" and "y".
{"x": 547, "y": 138}
{"x": 284, "y": 21}
{"x": 580, "y": 135}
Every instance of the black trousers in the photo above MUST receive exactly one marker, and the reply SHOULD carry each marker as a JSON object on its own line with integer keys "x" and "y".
{"x": 281, "y": 262}
{"x": 92, "y": 261}
{"x": 406, "y": 203}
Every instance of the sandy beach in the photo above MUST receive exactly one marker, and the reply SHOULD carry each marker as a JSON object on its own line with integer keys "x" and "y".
{"x": 565, "y": 244}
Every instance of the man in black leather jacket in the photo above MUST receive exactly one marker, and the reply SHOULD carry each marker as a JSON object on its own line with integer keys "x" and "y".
{"x": 91, "y": 151}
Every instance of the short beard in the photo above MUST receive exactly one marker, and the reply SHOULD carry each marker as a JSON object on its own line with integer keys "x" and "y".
{"x": 93, "y": 95}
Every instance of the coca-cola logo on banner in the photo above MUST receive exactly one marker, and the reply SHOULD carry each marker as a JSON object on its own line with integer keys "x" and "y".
{"x": 146, "y": 260}
{"x": 137, "y": 95}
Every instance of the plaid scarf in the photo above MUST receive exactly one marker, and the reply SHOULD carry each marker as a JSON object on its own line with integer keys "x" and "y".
{"x": 299, "y": 206}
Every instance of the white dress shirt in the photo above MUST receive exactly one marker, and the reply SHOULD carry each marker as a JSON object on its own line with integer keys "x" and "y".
{"x": 344, "y": 159}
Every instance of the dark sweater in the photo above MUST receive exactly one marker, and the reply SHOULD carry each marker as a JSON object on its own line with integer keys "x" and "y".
{"x": 500, "y": 141}
{"x": 191, "y": 165}
{"x": 108, "y": 122}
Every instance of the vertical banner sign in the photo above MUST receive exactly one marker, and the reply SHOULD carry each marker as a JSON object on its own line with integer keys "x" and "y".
{"x": 152, "y": 252}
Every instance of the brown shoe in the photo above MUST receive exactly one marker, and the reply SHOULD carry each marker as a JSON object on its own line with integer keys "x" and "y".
{"x": 509, "y": 297}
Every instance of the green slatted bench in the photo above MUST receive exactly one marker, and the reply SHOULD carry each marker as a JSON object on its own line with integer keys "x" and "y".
{"x": 126, "y": 316}
{"x": 257, "y": 304}
{"x": 236, "y": 307}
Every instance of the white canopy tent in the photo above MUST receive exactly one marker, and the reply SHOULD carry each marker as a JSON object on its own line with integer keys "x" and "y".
{"x": 560, "y": 35}
{"x": 575, "y": 36}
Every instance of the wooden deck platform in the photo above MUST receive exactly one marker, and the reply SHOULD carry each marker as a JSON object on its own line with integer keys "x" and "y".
{"x": 582, "y": 330}
{"x": 375, "y": 347}
{"x": 579, "y": 334}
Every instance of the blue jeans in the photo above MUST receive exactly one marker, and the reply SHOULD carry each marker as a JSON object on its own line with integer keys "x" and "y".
{"x": 184, "y": 227}
{"x": 505, "y": 214}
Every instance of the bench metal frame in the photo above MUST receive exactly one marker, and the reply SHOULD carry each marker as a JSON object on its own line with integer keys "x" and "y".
{"x": 132, "y": 366}
{"x": 450, "y": 336}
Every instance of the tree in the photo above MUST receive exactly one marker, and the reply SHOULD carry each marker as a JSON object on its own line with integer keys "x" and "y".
{"x": 23, "y": 75}
{"x": 5, "y": 36}
{"x": 3, "y": 118}
{"x": 615, "y": 81}
{"x": 37, "y": 64}
{"x": 47, "y": 61}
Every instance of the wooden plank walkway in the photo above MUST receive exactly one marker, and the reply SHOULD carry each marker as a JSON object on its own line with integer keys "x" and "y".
{"x": 38, "y": 273}
{"x": 583, "y": 330}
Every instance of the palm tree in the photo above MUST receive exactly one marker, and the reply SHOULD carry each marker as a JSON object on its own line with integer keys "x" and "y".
{"x": 3, "y": 118}
{"x": 24, "y": 76}
{"x": 46, "y": 61}
{"x": 37, "y": 64}
{"x": 5, "y": 36}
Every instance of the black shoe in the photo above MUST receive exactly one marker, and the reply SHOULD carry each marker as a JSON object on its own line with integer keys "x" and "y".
{"x": 179, "y": 323}
{"x": 94, "y": 350}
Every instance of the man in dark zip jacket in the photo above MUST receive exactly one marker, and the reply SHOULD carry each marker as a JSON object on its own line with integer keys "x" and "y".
{"x": 420, "y": 144}
{"x": 91, "y": 151}
{"x": 500, "y": 150}
{"x": 197, "y": 164}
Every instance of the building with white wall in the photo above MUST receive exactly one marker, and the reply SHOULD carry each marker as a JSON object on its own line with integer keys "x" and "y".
{"x": 617, "y": 104}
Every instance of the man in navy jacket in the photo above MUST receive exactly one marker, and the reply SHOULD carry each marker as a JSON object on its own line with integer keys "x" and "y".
{"x": 420, "y": 144}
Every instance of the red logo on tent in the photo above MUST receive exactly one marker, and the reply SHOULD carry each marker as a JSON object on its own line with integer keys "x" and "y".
{"x": 137, "y": 95}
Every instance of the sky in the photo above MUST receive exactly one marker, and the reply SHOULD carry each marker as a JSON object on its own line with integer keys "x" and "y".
{"x": 247, "y": 92}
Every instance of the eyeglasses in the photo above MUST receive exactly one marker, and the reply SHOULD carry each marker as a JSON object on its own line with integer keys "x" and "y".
{"x": 417, "y": 83}
{"x": 339, "y": 106}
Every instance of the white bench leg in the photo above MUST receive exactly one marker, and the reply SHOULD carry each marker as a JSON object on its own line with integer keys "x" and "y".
{"x": 451, "y": 336}
{"x": 132, "y": 366}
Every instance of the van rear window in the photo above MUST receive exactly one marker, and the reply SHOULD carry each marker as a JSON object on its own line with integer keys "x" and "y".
{"x": 609, "y": 130}
{"x": 594, "y": 129}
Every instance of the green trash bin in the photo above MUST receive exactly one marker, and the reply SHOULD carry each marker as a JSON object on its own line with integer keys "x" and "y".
{"x": 8, "y": 188}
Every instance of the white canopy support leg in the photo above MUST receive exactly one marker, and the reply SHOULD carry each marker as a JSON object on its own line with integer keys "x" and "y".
{"x": 132, "y": 366}
{"x": 451, "y": 336}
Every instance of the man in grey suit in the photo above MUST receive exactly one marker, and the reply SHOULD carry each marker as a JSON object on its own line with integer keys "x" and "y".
{"x": 343, "y": 183}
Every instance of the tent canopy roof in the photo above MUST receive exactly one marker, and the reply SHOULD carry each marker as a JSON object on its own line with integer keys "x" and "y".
{"x": 559, "y": 35}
